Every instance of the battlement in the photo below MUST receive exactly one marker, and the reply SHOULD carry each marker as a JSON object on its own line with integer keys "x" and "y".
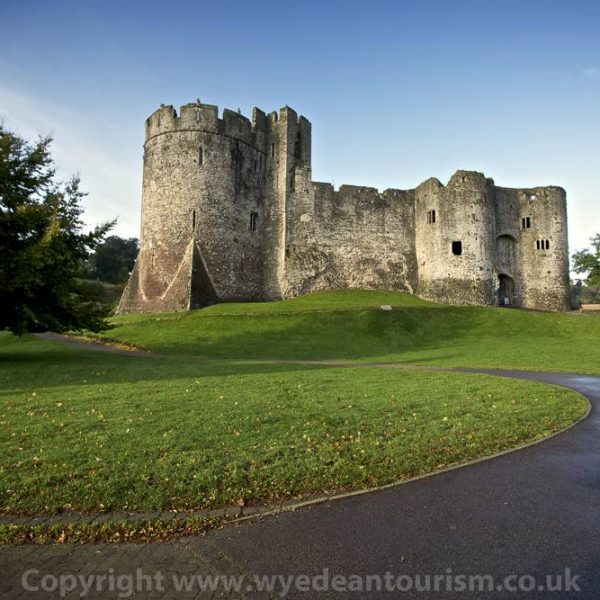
{"x": 259, "y": 120}
{"x": 352, "y": 193}
{"x": 205, "y": 117}
{"x": 194, "y": 115}
{"x": 349, "y": 190}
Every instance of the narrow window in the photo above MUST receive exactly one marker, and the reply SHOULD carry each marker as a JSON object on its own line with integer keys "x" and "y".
{"x": 298, "y": 147}
{"x": 528, "y": 222}
{"x": 193, "y": 220}
{"x": 430, "y": 216}
{"x": 292, "y": 181}
{"x": 272, "y": 149}
{"x": 542, "y": 244}
{"x": 253, "y": 221}
{"x": 197, "y": 116}
{"x": 523, "y": 223}
{"x": 200, "y": 156}
{"x": 457, "y": 248}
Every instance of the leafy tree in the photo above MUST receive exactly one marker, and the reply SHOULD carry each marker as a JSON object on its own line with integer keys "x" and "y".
{"x": 42, "y": 243}
{"x": 587, "y": 262}
{"x": 113, "y": 260}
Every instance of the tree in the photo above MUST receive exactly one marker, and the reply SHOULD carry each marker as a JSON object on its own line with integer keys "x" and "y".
{"x": 587, "y": 262}
{"x": 113, "y": 260}
{"x": 42, "y": 242}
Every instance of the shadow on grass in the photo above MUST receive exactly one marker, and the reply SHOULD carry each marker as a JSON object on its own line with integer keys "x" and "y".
{"x": 43, "y": 364}
{"x": 330, "y": 336}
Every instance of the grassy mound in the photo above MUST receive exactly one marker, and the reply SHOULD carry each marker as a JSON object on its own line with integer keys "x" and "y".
{"x": 351, "y": 325}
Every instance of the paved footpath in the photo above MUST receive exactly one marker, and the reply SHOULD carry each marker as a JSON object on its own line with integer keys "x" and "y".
{"x": 521, "y": 516}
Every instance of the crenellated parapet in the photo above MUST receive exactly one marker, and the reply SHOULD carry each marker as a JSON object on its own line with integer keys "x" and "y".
{"x": 197, "y": 116}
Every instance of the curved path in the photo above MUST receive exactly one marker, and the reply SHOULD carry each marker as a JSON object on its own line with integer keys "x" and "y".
{"x": 526, "y": 514}
{"x": 533, "y": 512}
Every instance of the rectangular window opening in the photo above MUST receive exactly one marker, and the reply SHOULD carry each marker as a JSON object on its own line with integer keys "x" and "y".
{"x": 272, "y": 150}
{"x": 253, "y": 221}
{"x": 542, "y": 244}
{"x": 193, "y": 220}
{"x": 200, "y": 156}
{"x": 457, "y": 248}
{"x": 430, "y": 217}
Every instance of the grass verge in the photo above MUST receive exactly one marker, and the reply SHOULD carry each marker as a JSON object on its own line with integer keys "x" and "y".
{"x": 107, "y": 532}
{"x": 90, "y": 431}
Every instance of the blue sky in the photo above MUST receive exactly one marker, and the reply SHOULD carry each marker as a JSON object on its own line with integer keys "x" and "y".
{"x": 397, "y": 91}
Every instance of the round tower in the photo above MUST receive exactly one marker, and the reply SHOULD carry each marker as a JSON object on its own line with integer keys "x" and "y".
{"x": 454, "y": 232}
{"x": 202, "y": 206}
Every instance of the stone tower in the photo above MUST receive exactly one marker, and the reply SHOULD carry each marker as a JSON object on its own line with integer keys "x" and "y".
{"x": 230, "y": 212}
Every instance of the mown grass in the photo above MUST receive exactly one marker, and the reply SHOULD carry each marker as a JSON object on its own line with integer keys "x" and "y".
{"x": 350, "y": 325}
{"x": 92, "y": 431}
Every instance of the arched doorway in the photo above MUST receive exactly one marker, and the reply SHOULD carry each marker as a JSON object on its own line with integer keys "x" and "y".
{"x": 506, "y": 290}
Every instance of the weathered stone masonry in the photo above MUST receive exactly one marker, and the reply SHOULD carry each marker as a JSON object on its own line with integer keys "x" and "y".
{"x": 230, "y": 212}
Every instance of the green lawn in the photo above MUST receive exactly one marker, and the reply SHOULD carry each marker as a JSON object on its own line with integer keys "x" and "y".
{"x": 350, "y": 325}
{"x": 90, "y": 430}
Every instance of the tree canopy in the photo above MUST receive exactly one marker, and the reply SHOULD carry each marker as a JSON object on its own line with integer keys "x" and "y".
{"x": 113, "y": 260}
{"x": 587, "y": 262}
{"x": 42, "y": 242}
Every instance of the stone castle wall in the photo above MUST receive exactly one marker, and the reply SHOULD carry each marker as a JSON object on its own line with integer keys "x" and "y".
{"x": 354, "y": 237}
{"x": 230, "y": 212}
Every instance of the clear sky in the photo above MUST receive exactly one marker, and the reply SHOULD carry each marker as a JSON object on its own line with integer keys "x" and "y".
{"x": 397, "y": 91}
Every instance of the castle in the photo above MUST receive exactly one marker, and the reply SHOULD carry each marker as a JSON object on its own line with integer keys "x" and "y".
{"x": 230, "y": 212}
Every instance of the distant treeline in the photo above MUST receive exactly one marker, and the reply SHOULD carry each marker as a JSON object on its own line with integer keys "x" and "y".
{"x": 106, "y": 271}
{"x": 581, "y": 293}
{"x": 112, "y": 261}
